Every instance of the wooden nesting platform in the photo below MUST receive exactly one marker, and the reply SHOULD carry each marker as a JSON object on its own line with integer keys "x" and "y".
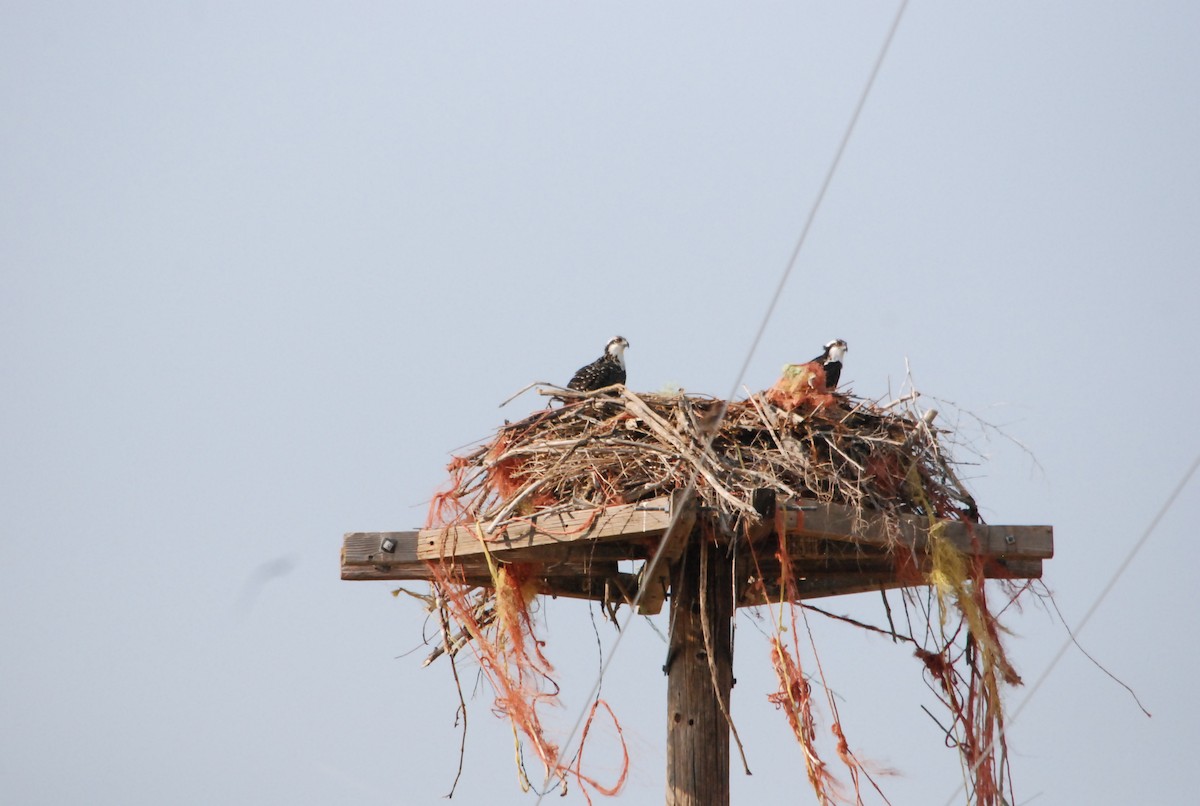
{"x": 580, "y": 552}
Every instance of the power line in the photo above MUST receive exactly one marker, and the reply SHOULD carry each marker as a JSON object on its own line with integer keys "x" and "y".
{"x": 820, "y": 197}
{"x": 1074, "y": 634}
{"x": 652, "y": 564}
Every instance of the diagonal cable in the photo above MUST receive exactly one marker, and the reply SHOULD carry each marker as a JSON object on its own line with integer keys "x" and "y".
{"x": 1074, "y": 634}
{"x": 654, "y": 561}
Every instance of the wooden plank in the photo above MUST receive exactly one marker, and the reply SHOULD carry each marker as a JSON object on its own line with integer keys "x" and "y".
{"x": 673, "y": 542}
{"x": 823, "y": 587}
{"x": 368, "y": 548}
{"x": 577, "y": 560}
{"x": 837, "y": 522}
{"x": 825, "y": 551}
{"x": 611, "y": 584}
{"x": 559, "y": 538}
{"x": 804, "y": 547}
{"x": 368, "y": 573}
{"x": 823, "y": 583}
{"x": 820, "y": 588}
{"x": 1014, "y": 569}
{"x": 622, "y": 522}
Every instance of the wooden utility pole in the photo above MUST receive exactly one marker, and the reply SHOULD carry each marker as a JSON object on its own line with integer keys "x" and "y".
{"x": 699, "y": 677}
{"x": 577, "y": 554}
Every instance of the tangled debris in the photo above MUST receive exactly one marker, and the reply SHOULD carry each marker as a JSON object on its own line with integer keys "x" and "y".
{"x": 612, "y": 446}
{"x": 620, "y": 447}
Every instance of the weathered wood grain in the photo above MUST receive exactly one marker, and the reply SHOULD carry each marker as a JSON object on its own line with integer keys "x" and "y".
{"x": 836, "y": 522}
{"x": 832, "y": 549}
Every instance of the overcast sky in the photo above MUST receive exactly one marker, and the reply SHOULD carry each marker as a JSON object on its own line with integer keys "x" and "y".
{"x": 264, "y": 266}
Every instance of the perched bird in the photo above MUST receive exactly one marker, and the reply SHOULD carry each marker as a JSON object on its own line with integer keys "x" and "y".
{"x": 831, "y": 360}
{"x": 811, "y": 382}
{"x": 605, "y": 370}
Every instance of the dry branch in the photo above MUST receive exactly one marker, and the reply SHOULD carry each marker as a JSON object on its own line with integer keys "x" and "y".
{"x": 615, "y": 446}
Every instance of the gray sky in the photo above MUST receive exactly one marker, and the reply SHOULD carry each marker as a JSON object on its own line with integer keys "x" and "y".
{"x": 264, "y": 265}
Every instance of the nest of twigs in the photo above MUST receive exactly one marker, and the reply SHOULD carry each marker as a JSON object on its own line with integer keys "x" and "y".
{"x": 616, "y": 446}
{"x": 796, "y": 440}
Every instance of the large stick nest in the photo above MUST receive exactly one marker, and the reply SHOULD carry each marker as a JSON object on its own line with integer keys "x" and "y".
{"x": 796, "y": 440}
{"x": 615, "y": 446}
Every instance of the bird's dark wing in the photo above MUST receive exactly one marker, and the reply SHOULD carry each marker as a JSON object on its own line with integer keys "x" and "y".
{"x": 596, "y": 375}
{"x": 585, "y": 377}
{"x": 833, "y": 372}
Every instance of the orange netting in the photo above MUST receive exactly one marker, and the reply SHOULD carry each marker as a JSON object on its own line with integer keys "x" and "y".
{"x": 798, "y": 440}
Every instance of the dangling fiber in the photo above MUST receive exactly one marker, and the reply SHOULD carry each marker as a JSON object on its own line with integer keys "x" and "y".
{"x": 797, "y": 441}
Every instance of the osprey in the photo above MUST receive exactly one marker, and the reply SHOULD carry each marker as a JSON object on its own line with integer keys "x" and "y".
{"x": 605, "y": 370}
{"x": 831, "y": 361}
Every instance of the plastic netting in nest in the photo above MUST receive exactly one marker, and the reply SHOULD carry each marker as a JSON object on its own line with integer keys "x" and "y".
{"x": 624, "y": 448}
{"x": 796, "y": 440}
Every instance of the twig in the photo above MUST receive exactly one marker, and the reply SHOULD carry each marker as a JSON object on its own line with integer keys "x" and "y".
{"x": 523, "y": 390}
{"x": 1087, "y": 655}
{"x": 706, "y": 631}
{"x": 462, "y": 702}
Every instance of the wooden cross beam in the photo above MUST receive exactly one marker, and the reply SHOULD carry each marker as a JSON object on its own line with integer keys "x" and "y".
{"x": 828, "y": 549}
{"x": 834, "y": 549}
{"x": 576, "y": 538}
